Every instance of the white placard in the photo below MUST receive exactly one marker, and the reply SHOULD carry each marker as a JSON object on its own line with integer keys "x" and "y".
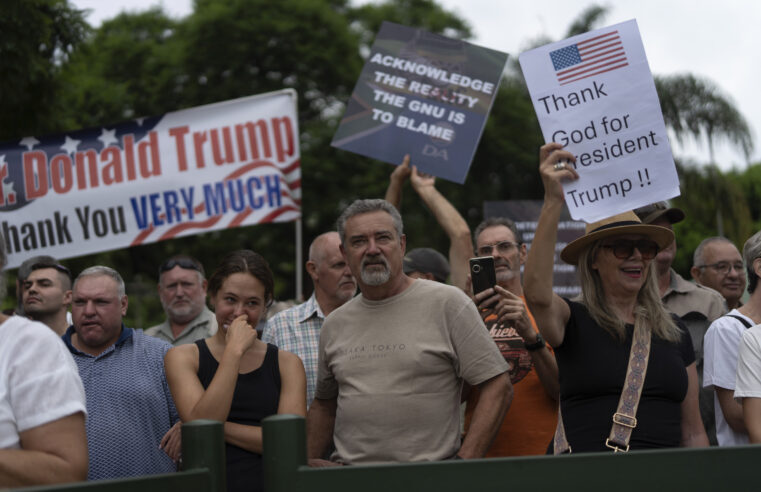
{"x": 594, "y": 94}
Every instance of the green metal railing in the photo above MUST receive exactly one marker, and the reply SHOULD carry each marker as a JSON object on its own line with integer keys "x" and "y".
{"x": 203, "y": 467}
{"x": 286, "y": 470}
{"x": 708, "y": 469}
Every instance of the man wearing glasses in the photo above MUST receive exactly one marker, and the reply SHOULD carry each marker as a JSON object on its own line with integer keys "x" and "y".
{"x": 182, "y": 291}
{"x": 718, "y": 265}
{"x": 722, "y": 342}
{"x": 530, "y": 424}
{"x": 696, "y": 305}
{"x": 46, "y": 294}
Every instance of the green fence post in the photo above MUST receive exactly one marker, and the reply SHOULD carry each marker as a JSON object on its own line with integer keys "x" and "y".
{"x": 203, "y": 446}
{"x": 284, "y": 440}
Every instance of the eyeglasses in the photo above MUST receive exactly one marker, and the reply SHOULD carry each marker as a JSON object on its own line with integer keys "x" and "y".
{"x": 186, "y": 263}
{"x": 723, "y": 267}
{"x": 503, "y": 247}
{"x": 624, "y": 249}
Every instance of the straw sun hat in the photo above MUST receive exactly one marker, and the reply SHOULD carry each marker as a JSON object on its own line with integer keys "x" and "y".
{"x": 625, "y": 223}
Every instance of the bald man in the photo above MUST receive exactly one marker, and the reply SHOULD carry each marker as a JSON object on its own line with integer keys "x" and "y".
{"x": 297, "y": 329}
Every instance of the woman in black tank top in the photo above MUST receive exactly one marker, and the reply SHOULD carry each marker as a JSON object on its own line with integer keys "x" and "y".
{"x": 233, "y": 376}
{"x": 628, "y": 378}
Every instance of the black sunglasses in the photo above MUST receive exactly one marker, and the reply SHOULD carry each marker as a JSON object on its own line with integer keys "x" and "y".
{"x": 623, "y": 249}
{"x": 183, "y": 262}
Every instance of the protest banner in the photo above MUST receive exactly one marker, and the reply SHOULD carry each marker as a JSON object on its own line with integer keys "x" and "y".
{"x": 594, "y": 94}
{"x": 525, "y": 214}
{"x": 421, "y": 94}
{"x": 224, "y": 165}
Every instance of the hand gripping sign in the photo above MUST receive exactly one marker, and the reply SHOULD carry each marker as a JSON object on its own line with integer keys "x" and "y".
{"x": 594, "y": 94}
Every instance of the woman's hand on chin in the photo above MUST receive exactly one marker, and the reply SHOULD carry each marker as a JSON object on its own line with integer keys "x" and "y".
{"x": 240, "y": 334}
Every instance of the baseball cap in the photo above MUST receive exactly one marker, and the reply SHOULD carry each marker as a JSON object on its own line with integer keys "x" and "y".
{"x": 427, "y": 260}
{"x": 650, "y": 213}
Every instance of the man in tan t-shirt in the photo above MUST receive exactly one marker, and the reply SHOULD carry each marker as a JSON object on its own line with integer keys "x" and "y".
{"x": 392, "y": 360}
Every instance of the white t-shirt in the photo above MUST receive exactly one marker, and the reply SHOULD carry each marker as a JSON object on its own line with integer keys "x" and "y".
{"x": 749, "y": 365}
{"x": 39, "y": 381}
{"x": 720, "y": 347}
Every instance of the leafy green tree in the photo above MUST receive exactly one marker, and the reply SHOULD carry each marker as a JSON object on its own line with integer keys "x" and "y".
{"x": 588, "y": 19}
{"x": 696, "y": 107}
{"x": 36, "y": 39}
{"x": 140, "y": 64}
{"x": 748, "y": 181}
{"x": 705, "y": 190}
{"x": 145, "y": 63}
{"x": 128, "y": 68}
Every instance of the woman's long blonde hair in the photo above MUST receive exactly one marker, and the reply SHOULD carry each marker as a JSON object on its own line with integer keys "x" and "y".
{"x": 649, "y": 308}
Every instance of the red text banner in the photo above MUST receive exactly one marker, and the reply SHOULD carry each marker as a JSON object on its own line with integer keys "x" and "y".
{"x": 212, "y": 167}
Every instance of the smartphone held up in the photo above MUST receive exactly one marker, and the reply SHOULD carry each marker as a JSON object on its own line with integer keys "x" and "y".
{"x": 482, "y": 273}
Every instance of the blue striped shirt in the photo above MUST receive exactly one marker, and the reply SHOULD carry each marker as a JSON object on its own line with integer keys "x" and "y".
{"x": 129, "y": 406}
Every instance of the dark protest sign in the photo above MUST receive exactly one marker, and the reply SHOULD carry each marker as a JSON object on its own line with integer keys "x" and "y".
{"x": 421, "y": 94}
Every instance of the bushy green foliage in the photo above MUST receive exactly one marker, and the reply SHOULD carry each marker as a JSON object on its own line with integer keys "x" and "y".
{"x": 59, "y": 74}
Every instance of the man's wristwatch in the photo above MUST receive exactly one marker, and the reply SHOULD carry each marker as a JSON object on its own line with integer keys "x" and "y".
{"x": 538, "y": 345}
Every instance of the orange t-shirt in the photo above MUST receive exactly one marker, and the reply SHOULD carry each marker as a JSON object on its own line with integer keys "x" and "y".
{"x": 529, "y": 424}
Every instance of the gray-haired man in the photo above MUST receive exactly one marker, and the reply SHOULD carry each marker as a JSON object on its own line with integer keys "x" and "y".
{"x": 132, "y": 423}
{"x": 182, "y": 291}
{"x": 718, "y": 264}
{"x": 722, "y": 343}
{"x": 392, "y": 360}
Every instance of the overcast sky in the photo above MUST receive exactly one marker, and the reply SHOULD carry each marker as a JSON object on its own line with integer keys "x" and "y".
{"x": 712, "y": 39}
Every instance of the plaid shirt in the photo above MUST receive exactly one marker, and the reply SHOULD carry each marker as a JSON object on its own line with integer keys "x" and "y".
{"x": 297, "y": 330}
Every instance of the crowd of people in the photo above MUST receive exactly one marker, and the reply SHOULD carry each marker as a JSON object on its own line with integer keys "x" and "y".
{"x": 388, "y": 362}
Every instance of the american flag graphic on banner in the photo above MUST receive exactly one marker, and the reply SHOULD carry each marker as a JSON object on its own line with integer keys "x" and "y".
{"x": 593, "y": 56}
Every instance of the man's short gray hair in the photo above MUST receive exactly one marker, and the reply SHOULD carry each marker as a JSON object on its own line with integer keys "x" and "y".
{"x": 99, "y": 270}
{"x": 697, "y": 257}
{"x": 365, "y": 207}
{"x": 494, "y": 222}
{"x": 751, "y": 251}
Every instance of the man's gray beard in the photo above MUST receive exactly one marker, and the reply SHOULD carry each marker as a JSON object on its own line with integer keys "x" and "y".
{"x": 375, "y": 277}
{"x": 505, "y": 276}
{"x": 183, "y": 314}
{"x": 345, "y": 296}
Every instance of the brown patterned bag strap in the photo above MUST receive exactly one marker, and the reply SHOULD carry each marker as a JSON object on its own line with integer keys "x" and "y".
{"x": 625, "y": 420}
{"x": 560, "y": 443}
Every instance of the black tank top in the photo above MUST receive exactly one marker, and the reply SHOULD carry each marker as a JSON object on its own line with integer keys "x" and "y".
{"x": 256, "y": 396}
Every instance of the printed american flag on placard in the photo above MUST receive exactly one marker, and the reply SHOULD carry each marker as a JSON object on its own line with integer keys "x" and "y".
{"x": 593, "y": 56}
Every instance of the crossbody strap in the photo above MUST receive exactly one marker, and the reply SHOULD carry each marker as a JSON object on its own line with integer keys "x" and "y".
{"x": 560, "y": 442}
{"x": 742, "y": 320}
{"x": 624, "y": 420}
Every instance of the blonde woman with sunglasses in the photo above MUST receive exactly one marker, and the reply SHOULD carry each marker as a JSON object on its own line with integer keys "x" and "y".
{"x": 592, "y": 336}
